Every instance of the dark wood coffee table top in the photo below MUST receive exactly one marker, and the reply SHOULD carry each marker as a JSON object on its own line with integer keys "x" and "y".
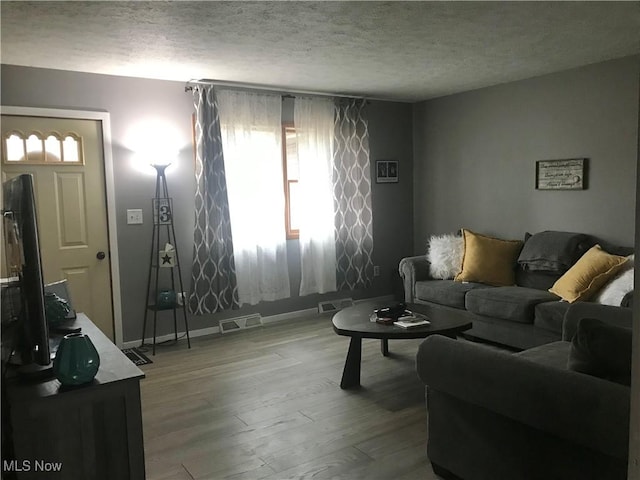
{"x": 355, "y": 321}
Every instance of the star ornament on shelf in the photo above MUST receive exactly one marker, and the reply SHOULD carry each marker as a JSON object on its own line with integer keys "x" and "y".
{"x": 167, "y": 258}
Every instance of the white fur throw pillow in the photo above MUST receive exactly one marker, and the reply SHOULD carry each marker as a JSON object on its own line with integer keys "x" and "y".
{"x": 445, "y": 254}
{"x": 615, "y": 290}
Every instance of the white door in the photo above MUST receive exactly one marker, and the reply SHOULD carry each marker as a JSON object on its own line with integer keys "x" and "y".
{"x": 65, "y": 157}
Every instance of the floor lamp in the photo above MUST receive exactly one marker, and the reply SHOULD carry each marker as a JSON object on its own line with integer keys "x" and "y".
{"x": 166, "y": 261}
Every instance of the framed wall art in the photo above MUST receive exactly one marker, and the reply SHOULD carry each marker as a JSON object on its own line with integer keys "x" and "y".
{"x": 387, "y": 171}
{"x": 568, "y": 174}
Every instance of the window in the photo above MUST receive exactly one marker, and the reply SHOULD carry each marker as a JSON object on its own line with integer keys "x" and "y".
{"x": 37, "y": 148}
{"x": 291, "y": 177}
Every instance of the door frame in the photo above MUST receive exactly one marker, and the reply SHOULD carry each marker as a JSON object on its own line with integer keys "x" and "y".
{"x": 105, "y": 119}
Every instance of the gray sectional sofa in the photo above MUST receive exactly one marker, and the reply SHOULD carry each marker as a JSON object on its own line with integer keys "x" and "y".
{"x": 520, "y": 316}
{"x": 559, "y": 411}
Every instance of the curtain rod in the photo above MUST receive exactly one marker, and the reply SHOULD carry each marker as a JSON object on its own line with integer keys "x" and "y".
{"x": 254, "y": 86}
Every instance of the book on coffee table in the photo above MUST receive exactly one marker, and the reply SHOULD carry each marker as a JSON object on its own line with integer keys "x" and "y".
{"x": 411, "y": 321}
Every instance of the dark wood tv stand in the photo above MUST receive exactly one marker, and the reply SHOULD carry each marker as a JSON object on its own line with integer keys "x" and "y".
{"x": 92, "y": 432}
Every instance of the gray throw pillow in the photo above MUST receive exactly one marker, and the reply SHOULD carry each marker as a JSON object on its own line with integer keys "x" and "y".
{"x": 601, "y": 350}
{"x": 553, "y": 251}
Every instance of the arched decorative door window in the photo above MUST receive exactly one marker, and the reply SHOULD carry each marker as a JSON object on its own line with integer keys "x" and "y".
{"x": 39, "y": 148}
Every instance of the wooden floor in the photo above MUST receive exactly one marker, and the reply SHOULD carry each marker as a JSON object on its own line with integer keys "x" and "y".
{"x": 265, "y": 403}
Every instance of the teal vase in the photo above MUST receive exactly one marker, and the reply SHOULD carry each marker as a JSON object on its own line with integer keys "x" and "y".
{"x": 166, "y": 299}
{"x": 76, "y": 361}
{"x": 56, "y": 308}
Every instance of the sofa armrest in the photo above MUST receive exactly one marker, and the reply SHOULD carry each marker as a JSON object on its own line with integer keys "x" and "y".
{"x": 412, "y": 270}
{"x": 580, "y": 408}
{"x": 619, "y": 316}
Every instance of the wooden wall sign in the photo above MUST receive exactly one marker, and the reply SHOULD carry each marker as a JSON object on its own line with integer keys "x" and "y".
{"x": 569, "y": 174}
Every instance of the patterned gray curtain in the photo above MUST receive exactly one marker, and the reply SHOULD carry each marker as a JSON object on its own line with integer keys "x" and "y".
{"x": 213, "y": 275}
{"x": 352, "y": 196}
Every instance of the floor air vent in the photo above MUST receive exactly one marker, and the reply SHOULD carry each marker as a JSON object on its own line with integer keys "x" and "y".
{"x": 334, "y": 305}
{"x": 240, "y": 323}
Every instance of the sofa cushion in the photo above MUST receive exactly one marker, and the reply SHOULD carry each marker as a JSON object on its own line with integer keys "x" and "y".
{"x": 602, "y": 350}
{"x": 552, "y": 354}
{"x": 507, "y": 303}
{"x": 588, "y": 275}
{"x": 553, "y": 251}
{"x": 535, "y": 278}
{"x": 550, "y": 315}
{"x": 445, "y": 292}
{"x": 488, "y": 260}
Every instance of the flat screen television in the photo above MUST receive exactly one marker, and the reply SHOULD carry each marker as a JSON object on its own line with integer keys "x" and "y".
{"x": 25, "y": 333}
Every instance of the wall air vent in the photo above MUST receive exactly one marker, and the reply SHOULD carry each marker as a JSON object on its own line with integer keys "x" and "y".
{"x": 334, "y": 305}
{"x": 240, "y": 323}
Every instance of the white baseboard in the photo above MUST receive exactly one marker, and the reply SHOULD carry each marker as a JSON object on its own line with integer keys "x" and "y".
{"x": 328, "y": 306}
{"x": 170, "y": 336}
{"x": 280, "y": 317}
{"x": 236, "y": 324}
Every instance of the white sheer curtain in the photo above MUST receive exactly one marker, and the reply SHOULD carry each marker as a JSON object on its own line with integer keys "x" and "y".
{"x": 252, "y": 143}
{"x": 314, "y": 124}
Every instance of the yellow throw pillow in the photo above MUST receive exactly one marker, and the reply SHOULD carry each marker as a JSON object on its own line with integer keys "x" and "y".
{"x": 488, "y": 260}
{"x": 587, "y": 275}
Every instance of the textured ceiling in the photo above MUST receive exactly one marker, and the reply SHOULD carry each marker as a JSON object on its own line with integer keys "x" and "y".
{"x": 405, "y": 51}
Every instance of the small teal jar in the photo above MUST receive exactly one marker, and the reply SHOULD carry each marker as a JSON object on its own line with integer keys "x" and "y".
{"x": 76, "y": 361}
{"x": 166, "y": 299}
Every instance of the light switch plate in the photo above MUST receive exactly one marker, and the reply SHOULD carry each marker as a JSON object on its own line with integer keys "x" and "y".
{"x": 134, "y": 216}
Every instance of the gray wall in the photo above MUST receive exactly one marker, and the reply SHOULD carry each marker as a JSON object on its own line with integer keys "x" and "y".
{"x": 131, "y": 101}
{"x": 475, "y": 155}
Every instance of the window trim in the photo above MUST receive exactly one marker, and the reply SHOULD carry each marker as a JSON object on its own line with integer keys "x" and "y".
{"x": 292, "y": 234}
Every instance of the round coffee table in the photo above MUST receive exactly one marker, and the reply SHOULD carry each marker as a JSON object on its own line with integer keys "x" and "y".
{"x": 355, "y": 322}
